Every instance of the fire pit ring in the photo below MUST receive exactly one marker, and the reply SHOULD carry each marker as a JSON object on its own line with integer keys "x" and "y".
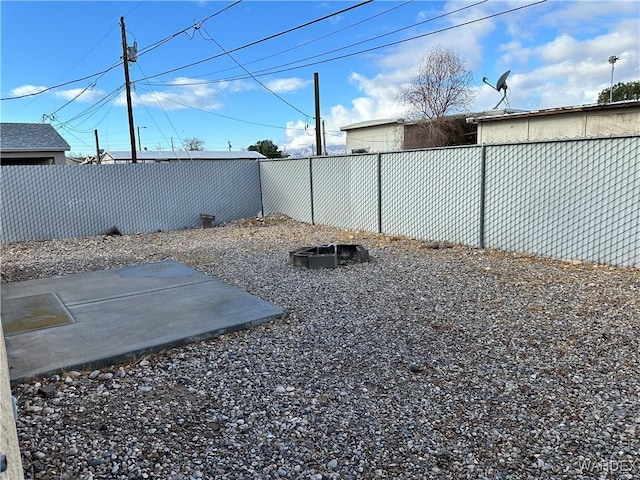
{"x": 328, "y": 256}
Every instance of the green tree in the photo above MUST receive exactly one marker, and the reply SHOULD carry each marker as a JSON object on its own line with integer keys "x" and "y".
{"x": 193, "y": 144}
{"x": 267, "y": 148}
{"x": 621, "y": 91}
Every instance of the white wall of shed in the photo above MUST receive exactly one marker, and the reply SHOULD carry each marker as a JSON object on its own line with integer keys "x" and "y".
{"x": 382, "y": 138}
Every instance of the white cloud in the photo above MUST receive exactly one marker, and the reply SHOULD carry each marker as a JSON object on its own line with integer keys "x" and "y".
{"x": 26, "y": 90}
{"x": 80, "y": 95}
{"x": 570, "y": 71}
{"x": 577, "y": 16}
{"x": 299, "y": 135}
{"x": 550, "y": 67}
{"x": 286, "y": 85}
{"x": 183, "y": 92}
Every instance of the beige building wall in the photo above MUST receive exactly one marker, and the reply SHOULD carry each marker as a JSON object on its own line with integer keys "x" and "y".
{"x": 380, "y": 138}
{"x": 620, "y": 124}
{"x": 559, "y": 126}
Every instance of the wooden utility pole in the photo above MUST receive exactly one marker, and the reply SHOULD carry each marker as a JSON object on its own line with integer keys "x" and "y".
{"x": 316, "y": 83}
{"x": 324, "y": 139}
{"x": 97, "y": 148}
{"x": 125, "y": 58}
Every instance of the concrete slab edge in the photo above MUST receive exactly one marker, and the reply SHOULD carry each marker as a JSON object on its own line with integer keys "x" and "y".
{"x": 141, "y": 352}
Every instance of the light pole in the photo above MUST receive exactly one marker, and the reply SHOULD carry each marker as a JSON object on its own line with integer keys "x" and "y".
{"x": 612, "y": 61}
{"x": 139, "y": 141}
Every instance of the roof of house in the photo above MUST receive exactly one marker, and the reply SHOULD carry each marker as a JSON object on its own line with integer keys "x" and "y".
{"x": 31, "y": 137}
{"x": 374, "y": 123}
{"x": 172, "y": 155}
{"x": 497, "y": 115}
{"x": 406, "y": 121}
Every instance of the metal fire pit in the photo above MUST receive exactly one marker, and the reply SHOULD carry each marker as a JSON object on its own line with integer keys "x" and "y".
{"x": 329, "y": 256}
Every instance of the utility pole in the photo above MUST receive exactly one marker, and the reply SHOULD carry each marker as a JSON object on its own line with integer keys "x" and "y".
{"x": 97, "y": 148}
{"x": 324, "y": 138}
{"x": 127, "y": 83}
{"x": 139, "y": 139}
{"x": 316, "y": 83}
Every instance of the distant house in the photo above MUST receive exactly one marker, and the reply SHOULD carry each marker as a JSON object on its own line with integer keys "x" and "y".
{"x": 111, "y": 157}
{"x": 31, "y": 144}
{"x": 499, "y": 126}
{"x": 397, "y": 134}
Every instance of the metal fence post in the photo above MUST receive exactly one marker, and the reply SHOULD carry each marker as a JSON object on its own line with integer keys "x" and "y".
{"x": 261, "y": 190}
{"x": 483, "y": 185}
{"x": 313, "y": 222}
{"x": 379, "y": 192}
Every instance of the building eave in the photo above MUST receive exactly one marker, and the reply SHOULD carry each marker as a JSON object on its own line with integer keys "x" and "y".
{"x": 506, "y": 115}
{"x": 373, "y": 123}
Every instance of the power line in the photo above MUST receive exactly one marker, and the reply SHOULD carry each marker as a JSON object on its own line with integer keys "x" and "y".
{"x": 146, "y": 50}
{"x": 91, "y": 85}
{"x": 63, "y": 84}
{"x": 251, "y": 75}
{"x": 195, "y": 26}
{"x": 386, "y": 34}
{"x": 256, "y": 42}
{"x": 269, "y": 70}
{"x": 163, "y": 111}
{"x": 95, "y": 106}
{"x": 277, "y": 69}
{"x": 335, "y": 32}
{"x": 223, "y": 116}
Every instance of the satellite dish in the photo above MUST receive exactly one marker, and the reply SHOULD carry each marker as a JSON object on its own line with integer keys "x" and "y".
{"x": 501, "y": 85}
{"x": 502, "y": 81}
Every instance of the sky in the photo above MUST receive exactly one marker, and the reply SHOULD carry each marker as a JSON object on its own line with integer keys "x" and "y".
{"x": 233, "y": 73}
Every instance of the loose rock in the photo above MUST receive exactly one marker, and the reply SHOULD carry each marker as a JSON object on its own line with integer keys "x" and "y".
{"x": 423, "y": 363}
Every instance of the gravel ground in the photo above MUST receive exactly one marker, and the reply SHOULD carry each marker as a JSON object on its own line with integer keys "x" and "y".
{"x": 431, "y": 361}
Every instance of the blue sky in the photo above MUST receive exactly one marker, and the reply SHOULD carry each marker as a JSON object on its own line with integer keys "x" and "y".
{"x": 252, "y": 63}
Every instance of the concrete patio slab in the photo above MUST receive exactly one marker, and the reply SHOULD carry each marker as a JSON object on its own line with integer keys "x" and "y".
{"x": 89, "y": 320}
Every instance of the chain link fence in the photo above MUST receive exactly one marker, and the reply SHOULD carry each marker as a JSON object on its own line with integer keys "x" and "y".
{"x": 286, "y": 188}
{"x": 49, "y": 202}
{"x": 345, "y": 191}
{"x": 567, "y": 199}
{"x": 570, "y": 199}
{"x": 432, "y": 194}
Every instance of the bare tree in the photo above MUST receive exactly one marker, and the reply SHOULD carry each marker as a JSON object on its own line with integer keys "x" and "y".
{"x": 441, "y": 87}
{"x": 193, "y": 144}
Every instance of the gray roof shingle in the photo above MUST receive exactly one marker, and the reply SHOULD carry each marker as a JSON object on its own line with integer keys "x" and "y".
{"x": 31, "y": 137}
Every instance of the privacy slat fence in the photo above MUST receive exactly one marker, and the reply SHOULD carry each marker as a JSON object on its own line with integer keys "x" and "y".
{"x": 58, "y": 201}
{"x": 569, "y": 199}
